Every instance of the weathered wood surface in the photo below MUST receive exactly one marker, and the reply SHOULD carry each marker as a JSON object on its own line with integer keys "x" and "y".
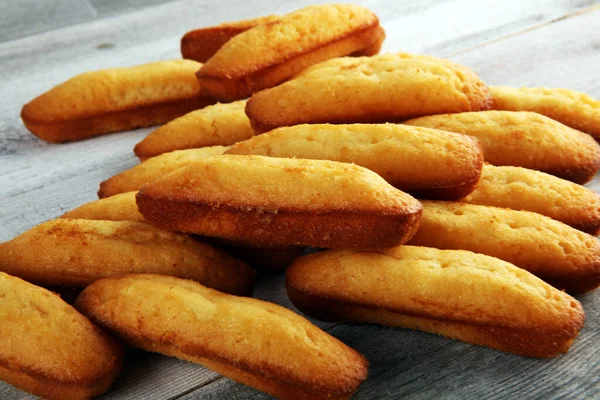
{"x": 513, "y": 42}
{"x": 20, "y": 18}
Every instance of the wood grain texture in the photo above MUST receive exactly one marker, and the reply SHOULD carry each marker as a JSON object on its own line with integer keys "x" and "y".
{"x": 512, "y": 42}
{"x": 115, "y": 7}
{"x": 19, "y": 18}
{"x": 441, "y": 28}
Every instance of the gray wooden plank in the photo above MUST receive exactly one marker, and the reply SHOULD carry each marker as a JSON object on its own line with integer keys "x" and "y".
{"x": 10, "y": 392}
{"x": 564, "y": 53}
{"x": 112, "y": 7}
{"x": 442, "y": 28}
{"x": 20, "y": 18}
{"x": 145, "y": 376}
{"x": 170, "y": 375}
{"x": 40, "y": 181}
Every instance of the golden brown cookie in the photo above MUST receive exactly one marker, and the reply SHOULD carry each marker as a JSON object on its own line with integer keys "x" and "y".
{"x": 201, "y": 44}
{"x": 253, "y": 342}
{"x": 134, "y": 178}
{"x": 424, "y": 162}
{"x": 562, "y": 256}
{"x": 120, "y": 207}
{"x": 268, "y": 54}
{"x": 525, "y": 139}
{"x": 217, "y": 125}
{"x": 278, "y": 202}
{"x": 49, "y": 349}
{"x": 117, "y": 99}
{"x": 574, "y": 109}
{"x": 76, "y": 252}
{"x": 458, "y": 294}
{"x": 383, "y": 88}
{"x": 525, "y": 189}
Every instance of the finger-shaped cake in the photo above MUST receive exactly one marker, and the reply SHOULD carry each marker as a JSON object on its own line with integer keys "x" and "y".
{"x": 136, "y": 177}
{"x": 117, "y": 99}
{"x": 574, "y": 109}
{"x": 120, "y": 207}
{"x": 525, "y": 139}
{"x": 425, "y": 162}
{"x": 525, "y": 189}
{"x": 216, "y": 125}
{"x": 383, "y": 88}
{"x": 458, "y": 294}
{"x": 49, "y": 349}
{"x": 268, "y": 54}
{"x": 201, "y": 44}
{"x": 562, "y": 256}
{"x": 253, "y": 342}
{"x": 77, "y": 252}
{"x": 273, "y": 202}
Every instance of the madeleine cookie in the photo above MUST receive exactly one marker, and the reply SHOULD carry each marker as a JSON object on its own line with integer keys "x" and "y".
{"x": 562, "y": 256}
{"x": 49, "y": 349}
{"x": 253, "y": 342}
{"x": 134, "y": 178}
{"x": 425, "y": 162}
{"x": 279, "y": 202}
{"x": 117, "y": 99}
{"x": 574, "y": 109}
{"x": 458, "y": 294}
{"x": 201, "y": 44}
{"x": 217, "y": 125}
{"x": 529, "y": 190}
{"x": 77, "y": 252}
{"x": 120, "y": 207}
{"x": 268, "y": 54}
{"x": 384, "y": 88}
{"x": 525, "y": 139}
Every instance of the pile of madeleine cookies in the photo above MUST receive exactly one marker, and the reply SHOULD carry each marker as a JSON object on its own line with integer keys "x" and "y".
{"x": 445, "y": 206}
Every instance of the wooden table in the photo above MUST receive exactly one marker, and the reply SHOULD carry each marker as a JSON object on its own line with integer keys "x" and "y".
{"x": 513, "y": 42}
